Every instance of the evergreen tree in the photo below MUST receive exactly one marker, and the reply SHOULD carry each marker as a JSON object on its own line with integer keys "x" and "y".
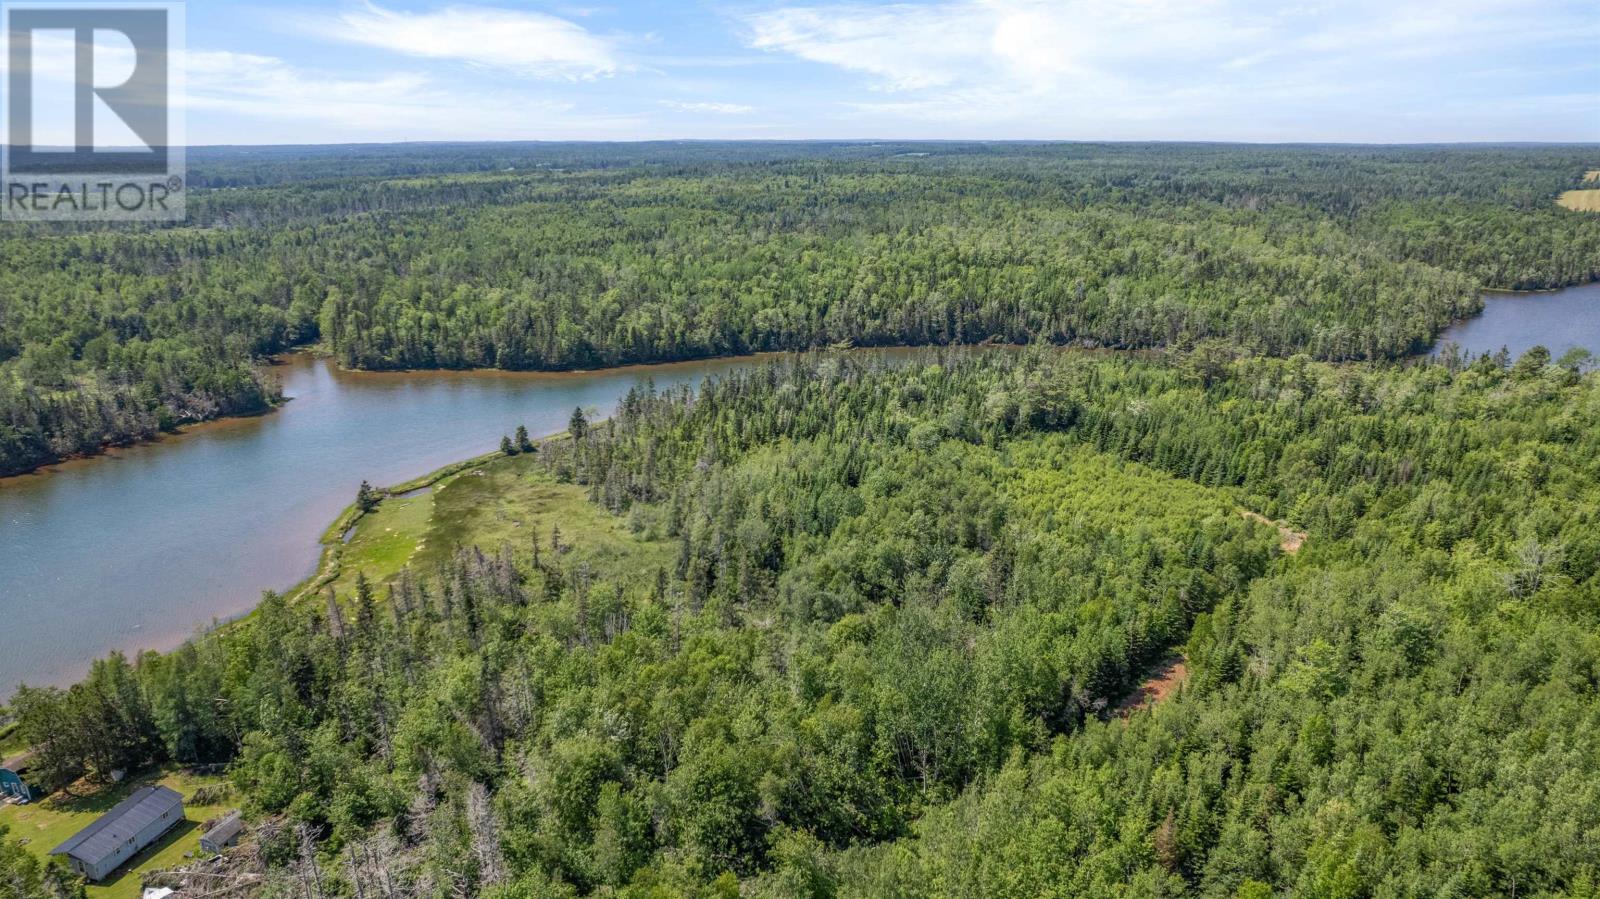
{"x": 366, "y": 498}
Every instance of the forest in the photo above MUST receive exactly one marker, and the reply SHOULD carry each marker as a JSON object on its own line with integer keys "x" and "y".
{"x": 871, "y": 627}
{"x": 559, "y": 256}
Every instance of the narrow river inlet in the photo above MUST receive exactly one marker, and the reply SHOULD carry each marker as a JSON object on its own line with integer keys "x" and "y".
{"x": 141, "y": 547}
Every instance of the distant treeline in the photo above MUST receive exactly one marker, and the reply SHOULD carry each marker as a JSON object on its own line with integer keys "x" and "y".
{"x": 560, "y": 256}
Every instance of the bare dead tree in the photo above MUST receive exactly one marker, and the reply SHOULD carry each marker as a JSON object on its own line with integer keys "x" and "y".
{"x": 485, "y": 836}
{"x": 308, "y": 872}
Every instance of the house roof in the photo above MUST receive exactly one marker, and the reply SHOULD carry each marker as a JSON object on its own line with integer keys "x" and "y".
{"x": 19, "y": 762}
{"x": 105, "y": 836}
{"x": 226, "y": 829}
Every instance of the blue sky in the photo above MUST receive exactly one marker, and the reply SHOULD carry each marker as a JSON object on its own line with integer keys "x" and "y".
{"x": 1252, "y": 70}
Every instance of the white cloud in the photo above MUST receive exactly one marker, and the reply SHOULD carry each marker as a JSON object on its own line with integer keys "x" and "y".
{"x": 529, "y": 43}
{"x": 287, "y": 104}
{"x": 907, "y": 47}
{"x": 267, "y": 86}
{"x": 715, "y": 108}
{"x": 1171, "y": 68}
{"x": 1034, "y": 43}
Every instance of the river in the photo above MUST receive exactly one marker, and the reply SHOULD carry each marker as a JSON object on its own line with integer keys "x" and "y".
{"x": 1558, "y": 320}
{"x": 139, "y": 548}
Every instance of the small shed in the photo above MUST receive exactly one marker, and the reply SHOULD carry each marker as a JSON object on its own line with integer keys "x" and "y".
{"x": 14, "y": 781}
{"x": 118, "y": 835}
{"x": 223, "y": 834}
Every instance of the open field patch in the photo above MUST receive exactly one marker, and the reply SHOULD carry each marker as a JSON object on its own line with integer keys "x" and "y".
{"x": 1581, "y": 200}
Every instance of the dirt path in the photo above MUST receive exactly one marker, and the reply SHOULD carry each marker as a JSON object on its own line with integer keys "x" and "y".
{"x": 1166, "y": 680}
{"x": 1288, "y": 538}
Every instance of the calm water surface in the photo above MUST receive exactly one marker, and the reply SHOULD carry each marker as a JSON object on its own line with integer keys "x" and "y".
{"x": 1557, "y": 320}
{"x": 140, "y": 548}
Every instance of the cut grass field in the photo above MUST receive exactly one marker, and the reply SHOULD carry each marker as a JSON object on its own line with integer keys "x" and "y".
{"x": 41, "y": 826}
{"x": 506, "y": 499}
{"x": 1581, "y": 200}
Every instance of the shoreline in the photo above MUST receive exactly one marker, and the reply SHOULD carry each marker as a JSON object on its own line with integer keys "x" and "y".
{"x": 317, "y": 351}
{"x": 323, "y": 535}
{"x": 320, "y": 351}
{"x": 327, "y": 570}
{"x": 336, "y": 536}
{"x": 106, "y": 450}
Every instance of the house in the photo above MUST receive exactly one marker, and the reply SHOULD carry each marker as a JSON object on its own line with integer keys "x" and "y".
{"x": 135, "y": 822}
{"x": 224, "y": 834}
{"x": 14, "y": 782}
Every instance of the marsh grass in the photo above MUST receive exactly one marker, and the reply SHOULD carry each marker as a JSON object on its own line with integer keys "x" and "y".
{"x": 496, "y": 501}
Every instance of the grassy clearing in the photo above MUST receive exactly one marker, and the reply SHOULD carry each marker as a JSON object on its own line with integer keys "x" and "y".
{"x": 42, "y": 826}
{"x": 1592, "y": 175}
{"x": 1061, "y": 484}
{"x": 1581, "y": 200}
{"x": 498, "y": 500}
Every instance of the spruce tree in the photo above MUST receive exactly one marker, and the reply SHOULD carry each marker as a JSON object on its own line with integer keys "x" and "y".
{"x": 366, "y": 498}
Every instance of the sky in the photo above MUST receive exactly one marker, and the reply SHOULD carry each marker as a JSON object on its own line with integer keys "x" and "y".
{"x": 1223, "y": 70}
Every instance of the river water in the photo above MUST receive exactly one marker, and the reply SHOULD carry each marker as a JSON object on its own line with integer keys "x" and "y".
{"x": 1558, "y": 320}
{"x": 139, "y": 548}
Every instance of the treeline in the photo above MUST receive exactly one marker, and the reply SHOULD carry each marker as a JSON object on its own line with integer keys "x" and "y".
{"x": 550, "y": 257}
{"x": 903, "y": 604}
{"x": 81, "y": 413}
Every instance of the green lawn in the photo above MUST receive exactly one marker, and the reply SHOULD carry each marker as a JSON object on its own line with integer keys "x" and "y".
{"x": 41, "y": 826}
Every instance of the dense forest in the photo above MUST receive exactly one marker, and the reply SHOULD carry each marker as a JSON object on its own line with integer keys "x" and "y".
{"x": 552, "y": 256}
{"x": 888, "y": 647}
